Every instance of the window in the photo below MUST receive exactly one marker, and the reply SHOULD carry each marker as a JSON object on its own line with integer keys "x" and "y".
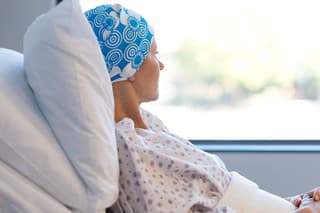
{"x": 236, "y": 69}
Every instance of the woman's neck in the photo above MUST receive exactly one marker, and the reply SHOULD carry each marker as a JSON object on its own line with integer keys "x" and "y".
{"x": 127, "y": 104}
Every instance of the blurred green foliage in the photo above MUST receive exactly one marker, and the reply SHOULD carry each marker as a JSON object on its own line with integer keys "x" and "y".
{"x": 211, "y": 73}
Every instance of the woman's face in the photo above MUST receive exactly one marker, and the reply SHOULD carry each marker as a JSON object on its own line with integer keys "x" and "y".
{"x": 146, "y": 79}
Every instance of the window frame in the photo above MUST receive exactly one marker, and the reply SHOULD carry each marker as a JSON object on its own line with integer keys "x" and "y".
{"x": 283, "y": 146}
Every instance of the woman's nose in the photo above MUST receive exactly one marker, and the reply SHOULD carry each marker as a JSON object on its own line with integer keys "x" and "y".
{"x": 161, "y": 65}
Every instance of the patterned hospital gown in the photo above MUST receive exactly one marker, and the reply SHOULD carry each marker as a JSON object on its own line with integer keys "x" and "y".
{"x": 161, "y": 172}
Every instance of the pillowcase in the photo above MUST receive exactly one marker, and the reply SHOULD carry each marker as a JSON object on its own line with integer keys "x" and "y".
{"x": 26, "y": 141}
{"x": 67, "y": 73}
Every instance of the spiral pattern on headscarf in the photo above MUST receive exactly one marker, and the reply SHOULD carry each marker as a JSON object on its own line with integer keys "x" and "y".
{"x": 130, "y": 52}
{"x": 114, "y": 39}
{"x": 114, "y": 56}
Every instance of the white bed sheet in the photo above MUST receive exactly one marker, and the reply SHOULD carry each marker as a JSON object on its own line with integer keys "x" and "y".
{"x": 18, "y": 195}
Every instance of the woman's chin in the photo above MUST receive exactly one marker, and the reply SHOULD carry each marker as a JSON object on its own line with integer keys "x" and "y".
{"x": 152, "y": 98}
{"x": 156, "y": 97}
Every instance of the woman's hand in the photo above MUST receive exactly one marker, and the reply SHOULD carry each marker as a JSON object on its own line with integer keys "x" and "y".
{"x": 308, "y": 205}
{"x": 296, "y": 200}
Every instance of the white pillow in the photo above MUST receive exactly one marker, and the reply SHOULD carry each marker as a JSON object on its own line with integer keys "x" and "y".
{"x": 66, "y": 70}
{"x": 26, "y": 141}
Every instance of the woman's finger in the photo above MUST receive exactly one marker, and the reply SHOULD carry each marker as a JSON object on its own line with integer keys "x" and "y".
{"x": 297, "y": 202}
{"x": 316, "y": 194}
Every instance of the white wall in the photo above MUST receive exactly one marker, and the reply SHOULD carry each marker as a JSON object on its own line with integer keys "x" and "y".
{"x": 283, "y": 174}
{"x": 15, "y": 17}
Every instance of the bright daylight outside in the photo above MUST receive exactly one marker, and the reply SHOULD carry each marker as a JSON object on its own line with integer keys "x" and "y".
{"x": 236, "y": 69}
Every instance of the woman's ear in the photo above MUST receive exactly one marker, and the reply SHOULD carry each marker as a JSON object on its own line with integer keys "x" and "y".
{"x": 132, "y": 78}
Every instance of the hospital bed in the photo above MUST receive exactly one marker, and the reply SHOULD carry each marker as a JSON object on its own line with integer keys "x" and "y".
{"x": 52, "y": 159}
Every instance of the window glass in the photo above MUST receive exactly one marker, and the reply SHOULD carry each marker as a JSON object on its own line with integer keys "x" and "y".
{"x": 236, "y": 69}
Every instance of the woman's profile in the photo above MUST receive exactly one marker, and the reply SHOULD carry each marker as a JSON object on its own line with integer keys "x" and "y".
{"x": 160, "y": 171}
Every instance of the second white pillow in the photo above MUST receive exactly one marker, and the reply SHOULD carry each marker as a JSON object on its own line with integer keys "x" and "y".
{"x": 66, "y": 70}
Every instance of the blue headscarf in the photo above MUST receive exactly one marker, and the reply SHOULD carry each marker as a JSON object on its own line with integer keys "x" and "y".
{"x": 124, "y": 37}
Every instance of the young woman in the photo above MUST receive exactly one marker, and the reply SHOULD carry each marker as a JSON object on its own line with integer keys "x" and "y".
{"x": 160, "y": 171}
